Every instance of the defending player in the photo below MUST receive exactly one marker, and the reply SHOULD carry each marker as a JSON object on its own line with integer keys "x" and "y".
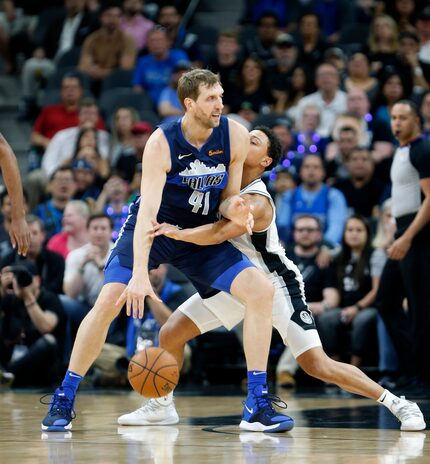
{"x": 192, "y": 168}
{"x": 291, "y": 316}
{"x": 19, "y": 232}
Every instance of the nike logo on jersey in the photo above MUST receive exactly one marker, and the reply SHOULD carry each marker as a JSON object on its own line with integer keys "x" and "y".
{"x": 258, "y": 373}
{"x": 74, "y": 375}
{"x": 251, "y": 411}
{"x": 184, "y": 156}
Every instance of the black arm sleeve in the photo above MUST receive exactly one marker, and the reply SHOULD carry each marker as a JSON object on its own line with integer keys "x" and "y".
{"x": 420, "y": 158}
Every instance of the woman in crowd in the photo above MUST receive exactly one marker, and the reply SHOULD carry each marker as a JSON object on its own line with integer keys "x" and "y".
{"x": 383, "y": 42}
{"x": 87, "y": 148}
{"x": 251, "y": 96}
{"x": 122, "y": 138}
{"x": 349, "y": 332}
{"x": 392, "y": 90}
{"x": 299, "y": 85}
{"x": 359, "y": 75}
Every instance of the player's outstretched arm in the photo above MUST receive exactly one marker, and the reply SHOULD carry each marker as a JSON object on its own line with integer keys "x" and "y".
{"x": 19, "y": 232}
{"x": 232, "y": 206}
{"x": 220, "y": 231}
{"x": 155, "y": 165}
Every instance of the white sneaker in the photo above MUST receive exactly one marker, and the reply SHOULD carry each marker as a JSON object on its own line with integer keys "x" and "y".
{"x": 151, "y": 413}
{"x": 409, "y": 415}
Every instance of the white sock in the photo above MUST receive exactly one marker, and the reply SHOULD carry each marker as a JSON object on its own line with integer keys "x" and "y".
{"x": 165, "y": 400}
{"x": 389, "y": 400}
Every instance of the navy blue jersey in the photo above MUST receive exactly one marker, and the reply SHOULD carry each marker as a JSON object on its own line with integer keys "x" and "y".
{"x": 190, "y": 198}
{"x": 192, "y": 192}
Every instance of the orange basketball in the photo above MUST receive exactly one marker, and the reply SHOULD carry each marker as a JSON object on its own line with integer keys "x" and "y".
{"x": 153, "y": 372}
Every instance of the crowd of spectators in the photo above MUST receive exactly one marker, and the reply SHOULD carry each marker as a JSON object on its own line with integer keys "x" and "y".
{"x": 98, "y": 76}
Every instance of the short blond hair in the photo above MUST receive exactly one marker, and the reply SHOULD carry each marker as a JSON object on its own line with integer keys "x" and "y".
{"x": 190, "y": 82}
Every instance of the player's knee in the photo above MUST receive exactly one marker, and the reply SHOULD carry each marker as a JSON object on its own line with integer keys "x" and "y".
{"x": 257, "y": 289}
{"x": 105, "y": 306}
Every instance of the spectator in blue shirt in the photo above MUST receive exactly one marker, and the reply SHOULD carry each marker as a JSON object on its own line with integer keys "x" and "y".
{"x": 154, "y": 71}
{"x": 312, "y": 196}
{"x": 169, "y": 106}
{"x": 62, "y": 187}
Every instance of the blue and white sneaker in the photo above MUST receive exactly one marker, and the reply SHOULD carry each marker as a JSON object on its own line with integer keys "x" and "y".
{"x": 60, "y": 413}
{"x": 260, "y": 416}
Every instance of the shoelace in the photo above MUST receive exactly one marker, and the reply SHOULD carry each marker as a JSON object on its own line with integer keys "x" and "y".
{"x": 150, "y": 406}
{"x": 60, "y": 405}
{"x": 266, "y": 402}
{"x": 407, "y": 411}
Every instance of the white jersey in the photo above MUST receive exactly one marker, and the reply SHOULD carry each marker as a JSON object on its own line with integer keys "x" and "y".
{"x": 290, "y": 315}
{"x": 263, "y": 248}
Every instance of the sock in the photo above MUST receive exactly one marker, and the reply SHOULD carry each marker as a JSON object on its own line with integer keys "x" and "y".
{"x": 71, "y": 383}
{"x": 255, "y": 379}
{"x": 389, "y": 400}
{"x": 165, "y": 400}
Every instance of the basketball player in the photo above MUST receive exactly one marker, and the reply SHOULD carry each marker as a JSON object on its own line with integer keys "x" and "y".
{"x": 291, "y": 315}
{"x": 192, "y": 168}
{"x": 19, "y": 232}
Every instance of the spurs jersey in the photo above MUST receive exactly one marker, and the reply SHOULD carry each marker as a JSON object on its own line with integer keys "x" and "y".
{"x": 290, "y": 315}
{"x": 264, "y": 250}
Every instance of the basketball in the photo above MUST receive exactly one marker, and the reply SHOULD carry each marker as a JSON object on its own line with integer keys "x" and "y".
{"x": 153, "y": 372}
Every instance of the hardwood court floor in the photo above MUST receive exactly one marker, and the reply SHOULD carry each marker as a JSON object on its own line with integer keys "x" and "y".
{"x": 332, "y": 430}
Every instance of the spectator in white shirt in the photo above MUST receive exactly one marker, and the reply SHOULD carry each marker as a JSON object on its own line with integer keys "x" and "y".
{"x": 63, "y": 144}
{"x": 328, "y": 98}
{"x": 62, "y": 147}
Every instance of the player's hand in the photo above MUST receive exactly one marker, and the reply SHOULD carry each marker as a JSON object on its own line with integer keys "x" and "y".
{"x": 165, "y": 229}
{"x": 239, "y": 211}
{"x": 399, "y": 248}
{"x": 134, "y": 296}
{"x": 19, "y": 234}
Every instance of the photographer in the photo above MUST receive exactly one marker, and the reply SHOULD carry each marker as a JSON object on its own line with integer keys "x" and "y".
{"x": 32, "y": 329}
{"x": 50, "y": 265}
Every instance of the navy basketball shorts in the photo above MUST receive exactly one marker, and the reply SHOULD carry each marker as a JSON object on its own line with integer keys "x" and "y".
{"x": 209, "y": 268}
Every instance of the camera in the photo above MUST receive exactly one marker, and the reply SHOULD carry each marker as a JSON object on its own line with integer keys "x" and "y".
{"x": 23, "y": 277}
